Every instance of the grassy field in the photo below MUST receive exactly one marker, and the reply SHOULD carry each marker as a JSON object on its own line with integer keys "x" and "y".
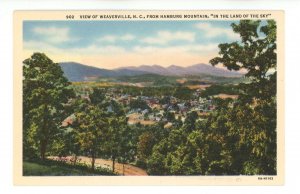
{"x": 52, "y": 168}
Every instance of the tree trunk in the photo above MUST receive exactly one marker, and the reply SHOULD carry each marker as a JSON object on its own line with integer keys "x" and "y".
{"x": 43, "y": 147}
{"x": 93, "y": 161}
{"x": 75, "y": 159}
{"x": 45, "y": 133}
{"x": 113, "y": 165}
{"x": 123, "y": 169}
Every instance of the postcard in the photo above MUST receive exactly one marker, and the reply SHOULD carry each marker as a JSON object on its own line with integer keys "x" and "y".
{"x": 149, "y": 97}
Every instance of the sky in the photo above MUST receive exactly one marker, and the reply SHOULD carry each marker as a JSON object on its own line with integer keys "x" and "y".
{"x": 114, "y": 44}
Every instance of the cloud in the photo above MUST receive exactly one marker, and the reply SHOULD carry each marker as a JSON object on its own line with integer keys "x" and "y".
{"x": 112, "y": 56}
{"x": 92, "y": 49}
{"x": 108, "y": 38}
{"x": 193, "y": 49}
{"x": 53, "y": 34}
{"x": 112, "y": 38}
{"x": 164, "y": 37}
{"x": 213, "y": 31}
{"x": 127, "y": 37}
{"x": 99, "y": 50}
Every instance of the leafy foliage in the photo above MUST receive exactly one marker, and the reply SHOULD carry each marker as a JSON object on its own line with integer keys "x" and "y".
{"x": 45, "y": 93}
{"x": 139, "y": 104}
{"x": 240, "y": 137}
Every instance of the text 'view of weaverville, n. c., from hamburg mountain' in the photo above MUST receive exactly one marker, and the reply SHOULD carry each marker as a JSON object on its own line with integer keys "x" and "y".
{"x": 149, "y": 97}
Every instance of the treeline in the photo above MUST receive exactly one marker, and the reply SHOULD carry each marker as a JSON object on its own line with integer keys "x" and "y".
{"x": 180, "y": 92}
{"x": 218, "y": 89}
{"x": 156, "y": 80}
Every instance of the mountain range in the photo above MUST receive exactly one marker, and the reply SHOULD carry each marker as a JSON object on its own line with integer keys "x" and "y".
{"x": 175, "y": 70}
{"x": 80, "y": 72}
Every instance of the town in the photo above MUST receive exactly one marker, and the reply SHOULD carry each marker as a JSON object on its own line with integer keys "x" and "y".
{"x": 149, "y": 110}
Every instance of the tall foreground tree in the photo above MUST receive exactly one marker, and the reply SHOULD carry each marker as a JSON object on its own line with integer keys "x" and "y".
{"x": 252, "y": 120}
{"x": 256, "y": 54}
{"x": 91, "y": 124}
{"x": 117, "y": 140}
{"x": 101, "y": 133}
{"x": 45, "y": 92}
{"x": 91, "y": 129}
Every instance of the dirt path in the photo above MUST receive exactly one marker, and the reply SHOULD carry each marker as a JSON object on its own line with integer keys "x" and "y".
{"x": 126, "y": 169}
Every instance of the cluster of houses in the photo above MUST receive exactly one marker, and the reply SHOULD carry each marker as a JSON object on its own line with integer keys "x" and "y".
{"x": 158, "y": 109}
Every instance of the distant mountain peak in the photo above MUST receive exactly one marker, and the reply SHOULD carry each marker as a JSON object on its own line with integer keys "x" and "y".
{"x": 155, "y": 65}
{"x": 172, "y": 66}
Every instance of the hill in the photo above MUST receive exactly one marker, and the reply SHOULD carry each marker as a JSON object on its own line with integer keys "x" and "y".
{"x": 76, "y": 72}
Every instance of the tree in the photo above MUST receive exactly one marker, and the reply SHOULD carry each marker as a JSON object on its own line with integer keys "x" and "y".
{"x": 156, "y": 162}
{"x": 97, "y": 97}
{"x": 255, "y": 53}
{"x": 183, "y": 93}
{"x": 170, "y": 116}
{"x": 117, "y": 139}
{"x": 139, "y": 104}
{"x": 190, "y": 122}
{"x": 144, "y": 147}
{"x": 92, "y": 126}
{"x": 253, "y": 118}
{"x": 45, "y": 93}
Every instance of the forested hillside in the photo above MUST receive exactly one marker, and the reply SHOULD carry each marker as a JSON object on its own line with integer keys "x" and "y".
{"x": 166, "y": 130}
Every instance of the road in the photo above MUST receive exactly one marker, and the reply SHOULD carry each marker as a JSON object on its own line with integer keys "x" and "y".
{"x": 127, "y": 169}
